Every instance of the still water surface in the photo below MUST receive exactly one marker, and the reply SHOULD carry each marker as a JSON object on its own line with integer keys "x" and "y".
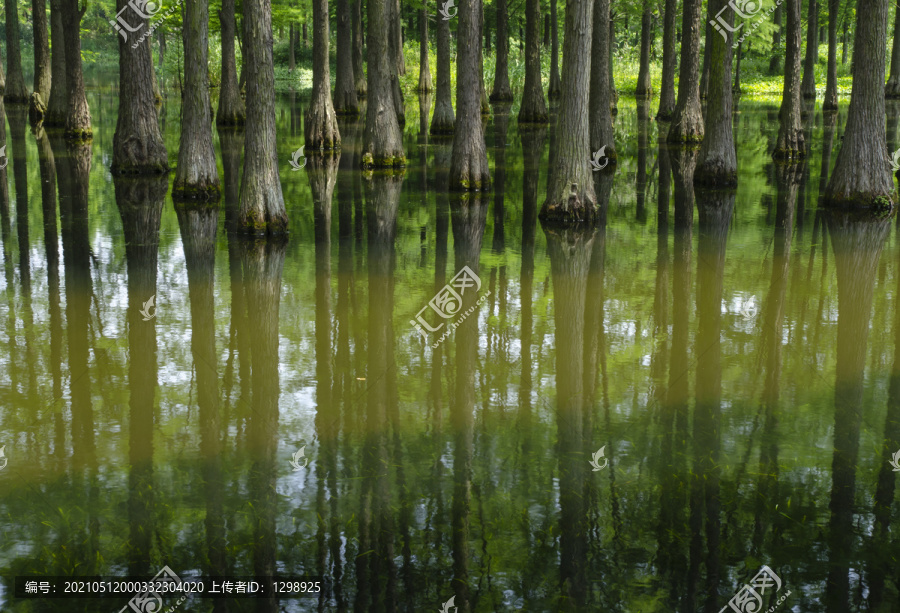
{"x": 727, "y": 361}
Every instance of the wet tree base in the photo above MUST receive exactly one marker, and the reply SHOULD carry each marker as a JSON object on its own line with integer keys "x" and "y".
{"x": 14, "y": 99}
{"x": 36, "y": 109}
{"x": 185, "y": 191}
{"x": 684, "y": 139}
{"x": 370, "y": 161}
{"x": 442, "y": 129}
{"x": 232, "y": 119}
{"x": 137, "y": 170}
{"x": 254, "y": 225}
{"x": 788, "y": 156}
{"x": 562, "y": 214}
{"x": 501, "y": 97}
{"x": 715, "y": 175}
{"x": 864, "y": 204}
{"x": 665, "y": 114}
{"x": 534, "y": 118}
{"x": 892, "y": 89}
{"x": 347, "y": 111}
{"x": 469, "y": 185}
{"x": 79, "y": 135}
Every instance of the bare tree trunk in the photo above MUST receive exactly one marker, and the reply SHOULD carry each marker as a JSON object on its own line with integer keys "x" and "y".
{"x": 425, "y": 84}
{"x": 844, "y": 52}
{"x": 601, "y": 129}
{"x": 643, "y": 83}
{"x": 138, "y": 146}
{"x": 397, "y": 38}
{"x": 443, "y": 121}
{"x": 534, "y": 107}
{"x": 78, "y": 115}
{"x": 736, "y": 88}
{"x": 485, "y": 103}
{"x": 16, "y": 92}
{"x": 502, "y": 91}
{"x": 292, "y": 56}
{"x": 717, "y": 163}
{"x": 667, "y": 88}
{"x": 790, "y": 144}
{"x": 262, "y": 203}
{"x": 305, "y": 36}
{"x": 861, "y": 176}
{"x": 553, "y": 91}
{"x": 570, "y": 187}
{"x": 358, "y": 71}
{"x": 42, "y": 73}
{"x": 231, "y": 111}
{"x": 704, "y": 70}
{"x": 382, "y": 144}
{"x": 56, "y": 106}
{"x": 808, "y": 85}
{"x": 320, "y": 124}
{"x": 614, "y": 94}
{"x": 687, "y": 121}
{"x": 396, "y": 64}
{"x": 892, "y": 88}
{"x": 345, "y": 100}
{"x": 775, "y": 60}
{"x": 468, "y": 163}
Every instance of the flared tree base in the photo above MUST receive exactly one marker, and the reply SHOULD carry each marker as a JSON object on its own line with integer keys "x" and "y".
{"x": 715, "y": 174}
{"x": 569, "y": 209}
{"x": 36, "y": 109}
{"x": 184, "y": 191}
{"x": 370, "y": 161}
{"x": 892, "y": 88}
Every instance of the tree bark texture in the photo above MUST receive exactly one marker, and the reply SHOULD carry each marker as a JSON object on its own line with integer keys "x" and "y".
{"x": 42, "y": 74}
{"x": 892, "y": 88}
{"x": 667, "y": 87}
{"x": 468, "y": 162}
{"x": 861, "y": 176}
{"x": 534, "y": 107}
{"x": 790, "y": 143}
{"x": 704, "y": 69}
{"x": 397, "y": 66}
{"x": 345, "y": 99}
{"x": 443, "y": 120}
{"x": 358, "y": 69}
{"x": 643, "y": 82}
{"x": 56, "y": 105}
{"x": 231, "y": 111}
{"x": 320, "y": 123}
{"x": 138, "y": 146}
{"x": 502, "y": 91}
{"x": 775, "y": 60}
{"x": 808, "y": 85}
{"x": 78, "y": 114}
{"x": 292, "y": 40}
{"x": 614, "y": 95}
{"x": 601, "y": 129}
{"x": 553, "y": 92}
{"x": 425, "y": 84}
{"x": 16, "y": 92}
{"x": 262, "y": 203}
{"x": 687, "y": 121}
{"x": 382, "y": 144}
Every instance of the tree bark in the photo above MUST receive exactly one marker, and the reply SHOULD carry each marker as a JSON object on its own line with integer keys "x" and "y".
{"x": 789, "y": 146}
{"x": 601, "y": 129}
{"x": 196, "y": 176}
{"x": 736, "y": 88}
{"x": 231, "y": 111}
{"x": 861, "y": 174}
{"x": 320, "y": 124}
{"x": 382, "y": 144}
{"x": 553, "y": 91}
{"x": 397, "y": 66}
{"x": 305, "y": 36}
{"x": 704, "y": 69}
{"x": 717, "y": 163}
{"x": 138, "y": 146}
{"x": 78, "y": 115}
{"x": 56, "y": 106}
{"x": 262, "y": 203}
{"x": 667, "y": 87}
{"x": 485, "y": 103}
{"x": 292, "y": 56}
{"x": 808, "y": 85}
{"x": 345, "y": 99}
{"x": 42, "y": 73}
{"x": 570, "y": 187}
{"x": 443, "y": 120}
{"x": 468, "y": 163}
{"x": 643, "y": 83}
{"x": 687, "y": 121}
{"x": 358, "y": 70}
{"x": 614, "y": 94}
{"x": 892, "y": 88}
{"x": 775, "y": 60}
{"x": 16, "y": 92}
{"x": 534, "y": 107}
{"x": 425, "y": 84}
{"x": 502, "y": 91}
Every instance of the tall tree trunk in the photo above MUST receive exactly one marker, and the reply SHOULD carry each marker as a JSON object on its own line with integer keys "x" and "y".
{"x": 534, "y": 107}
{"x": 425, "y": 84}
{"x": 292, "y": 56}
{"x": 844, "y": 38}
{"x": 736, "y": 88}
{"x": 502, "y": 91}
{"x": 808, "y": 85}
{"x": 443, "y": 121}
{"x": 717, "y": 163}
{"x": 305, "y": 36}
{"x": 345, "y": 100}
{"x": 16, "y": 91}
{"x": 396, "y": 39}
{"x": 42, "y": 73}
{"x": 78, "y": 114}
{"x": 614, "y": 94}
{"x": 570, "y": 187}
{"x": 196, "y": 176}
{"x": 861, "y": 174}
{"x": 667, "y": 87}
{"x": 643, "y": 82}
{"x": 704, "y": 69}
{"x": 262, "y": 203}
{"x": 553, "y": 92}
{"x": 790, "y": 143}
{"x": 546, "y": 30}
{"x": 56, "y": 106}
{"x": 396, "y": 66}
{"x": 320, "y": 124}
{"x": 468, "y": 163}
{"x": 231, "y": 111}
{"x": 485, "y": 103}
{"x": 892, "y": 88}
{"x": 601, "y": 129}
{"x": 382, "y": 144}
{"x": 775, "y": 60}
{"x": 358, "y": 71}
{"x": 687, "y": 121}
{"x": 138, "y": 146}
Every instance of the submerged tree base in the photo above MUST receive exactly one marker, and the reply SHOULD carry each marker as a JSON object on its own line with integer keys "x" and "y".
{"x": 78, "y": 135}
{"x": 713, "y": 173}
{"x": 865, "y": 204}
{"x": 369, "y": 161}
{"x": 788, "y": 155}
{"x": 185, "y": 191}
{"x": 36, "y": 109}
{"x": 138, "y": 170}
{"x": 576, "y": 208}
{"x": 233, "y": 119}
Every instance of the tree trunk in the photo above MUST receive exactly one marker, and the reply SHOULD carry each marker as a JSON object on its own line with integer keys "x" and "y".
{"x": 320, "y": 124}
{"x": 425, "y": 84}
{"x": 892, "y": 88}
{"x": 614, "y": 94}
{"x": 502, "y": 91}
{"x": 196, "y": 176}
{"x": 687, "y": 121}
{"x": 808, "y": 85}
{"x": 162, "y": 47}
{"x": 534, "y": 107}
{"x": 861, "y": 174}
{"x": 486, "y": 26}
{"x": 16, "y": 92}
{"x": 570, "y": 187}
{"x": 485, "y": 103}
{"x": 789, "y": 146}
{"x": 138, "y": 146}
{"x": 717, "y": 163}
{"x": 78, "y": 114}
{"x": 231, "y": 111}
{"x": 443, "y": 121}
{"x": 736, "y": 88}
{"x": 397, "y": 38}
{"x": 704, "y": 72}
{"x": 546, "y": 30}
{"x": 292, "y": 56}
{"x": 56, "y": 106}
{"x": 397, "y": 67}
{"x": 42, "y": 74}
{"x": 643, "y": 83}
{"x": 775, "y": 60}
{"x": 468, "y": 163}
{"x": 382, "y": 144}
{"x": 667, "y": 88}
{"x": 305, "y": 36}
{"x": 601, "y": 129}
{"x": 553, "y": 91}
{"x": 358, "y": 71}
{"x": 262, "y": 203}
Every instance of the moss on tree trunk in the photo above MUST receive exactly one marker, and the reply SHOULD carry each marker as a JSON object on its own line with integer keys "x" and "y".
{"x": 443, "y": 120}
{"x": 687, "y": 120}
{"x": 789, "y": 146}
{"x": 320, "y": 124}
{"x": 382, "y": 144}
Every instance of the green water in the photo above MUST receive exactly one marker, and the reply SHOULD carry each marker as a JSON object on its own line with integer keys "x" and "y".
{"x": 730, "y": 356}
